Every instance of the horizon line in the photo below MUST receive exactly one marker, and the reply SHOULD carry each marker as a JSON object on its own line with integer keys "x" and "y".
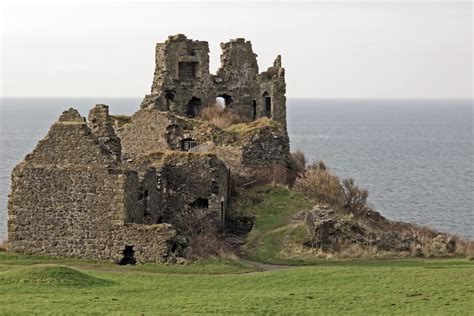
{"x": 310, "y": 98}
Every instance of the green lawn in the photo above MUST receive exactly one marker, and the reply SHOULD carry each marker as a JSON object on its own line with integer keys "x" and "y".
{"x": 43, "y": 285}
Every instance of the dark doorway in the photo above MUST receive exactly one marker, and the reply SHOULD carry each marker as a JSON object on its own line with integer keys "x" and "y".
{"x": 146, "y": 202}
{"x": 200, "y": 203}
{"x": 227, "y": 98}
{"x": 267, "y": 101}
{"x": 170, "y": 96}
{"x": 193, "y": 107}
{"x": 187, "y": 144}
{"x": 214, "y": 187}
{"x": 222, "y": 215}
{"x": 254, "y": 110}
{"x": 128, "y": 256}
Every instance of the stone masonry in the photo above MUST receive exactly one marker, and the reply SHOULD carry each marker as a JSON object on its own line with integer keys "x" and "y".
{"x": 182, "y": 83}
{"x": 111, "y": 188}
{"x": 72, "y": 198}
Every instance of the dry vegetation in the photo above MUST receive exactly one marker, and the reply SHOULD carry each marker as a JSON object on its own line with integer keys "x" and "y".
{"x": 318, "y": 183}
{"x": 218, "y": 116}
{"x": 204, "y": 239}
{"x": 3, "y": 245}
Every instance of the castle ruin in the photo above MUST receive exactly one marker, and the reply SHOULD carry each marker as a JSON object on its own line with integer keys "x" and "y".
{"x": 110, "y": 187}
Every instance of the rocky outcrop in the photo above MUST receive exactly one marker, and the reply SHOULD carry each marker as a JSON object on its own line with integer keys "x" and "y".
{"x": 332, "y": 233}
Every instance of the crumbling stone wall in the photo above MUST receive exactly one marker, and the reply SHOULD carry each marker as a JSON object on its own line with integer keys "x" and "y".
{"x": 70, "y": 197}
{"x": 272, "y": 84}
{"x": 236, "y": 79}
{"x": 101, "y": 125}
{"x": 151, "y": 130}
{"x": 183, "y": 84}
{"x": 181, "y": 74}
{"x": 187, "y": 179}
{"x": 259, "y": 148}
{"x": 92, "y": 191}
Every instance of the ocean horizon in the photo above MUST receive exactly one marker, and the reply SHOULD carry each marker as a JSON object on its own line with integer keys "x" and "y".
{"x": 414, "y": 156}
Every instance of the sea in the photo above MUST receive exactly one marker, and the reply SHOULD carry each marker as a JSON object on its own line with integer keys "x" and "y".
{"x": 415, "y": 157}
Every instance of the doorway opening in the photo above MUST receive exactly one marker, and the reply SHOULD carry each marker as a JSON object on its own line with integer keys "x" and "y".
{"x": 267, "y": 102}
{"x": 128, "y": 256}
{"x": 200, "y": 203}
{"x": 254, "y": 110}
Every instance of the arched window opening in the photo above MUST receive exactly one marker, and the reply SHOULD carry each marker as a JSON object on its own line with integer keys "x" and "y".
{"x": 222, "y": 215}
{"x": 267, "y": 104}
{"x": 254, "y": 110}
{"x": 193, "y": 107}
{"x": 227, "y": 98}
{"x": 170, "y": 96}
{"x": 200, "y": 203}
{"x": 220, "y": 102}
{"x": 215, "y": 187}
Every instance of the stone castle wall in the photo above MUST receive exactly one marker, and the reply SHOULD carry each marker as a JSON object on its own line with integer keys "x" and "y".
{"x": 95, "y": 189}
{"x": 195, "y": 180}
{"x": 71, "y": 198}
{"x": 183, "y": 85}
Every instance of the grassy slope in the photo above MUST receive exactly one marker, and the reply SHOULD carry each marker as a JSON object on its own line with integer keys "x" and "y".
{"x": 395, "y": 287}
{"x": 273, "y": 227}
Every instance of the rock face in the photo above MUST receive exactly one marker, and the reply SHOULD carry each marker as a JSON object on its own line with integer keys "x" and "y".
{"x": 332, "y": 232}
{"x": 183, "y": 84}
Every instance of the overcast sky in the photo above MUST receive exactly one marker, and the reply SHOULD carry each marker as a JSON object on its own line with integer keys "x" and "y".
{"x": 350, "y": 49}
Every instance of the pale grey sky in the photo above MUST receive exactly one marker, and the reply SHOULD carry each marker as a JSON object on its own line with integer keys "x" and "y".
{"x": 349, "y": 49}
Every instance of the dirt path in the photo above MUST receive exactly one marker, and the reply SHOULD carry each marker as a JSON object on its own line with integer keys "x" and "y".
{"x": 262, "y": 267}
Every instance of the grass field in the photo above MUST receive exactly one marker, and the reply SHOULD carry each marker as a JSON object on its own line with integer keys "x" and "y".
{"x": 45, "y": 285}
{"x": 42, "y": 285}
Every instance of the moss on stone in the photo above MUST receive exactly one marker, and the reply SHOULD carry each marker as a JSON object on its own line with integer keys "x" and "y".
{"x": 246, "y": 128}
{"x": 121, "y": 120}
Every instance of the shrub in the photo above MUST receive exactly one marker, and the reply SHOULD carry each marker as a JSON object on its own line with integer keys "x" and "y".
{"x": 200, "y": 227}
{"x": 355, "y": 199}
{"x": 297, "y": 162}
{"x": 320, "y": 185}
{"x": 3, "y": 245}
{"x": 194, "y": 221}
{"x": 220, "y": 117}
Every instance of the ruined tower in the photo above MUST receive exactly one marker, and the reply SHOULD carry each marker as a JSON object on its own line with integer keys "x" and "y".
{"x": 183, "y": 84}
